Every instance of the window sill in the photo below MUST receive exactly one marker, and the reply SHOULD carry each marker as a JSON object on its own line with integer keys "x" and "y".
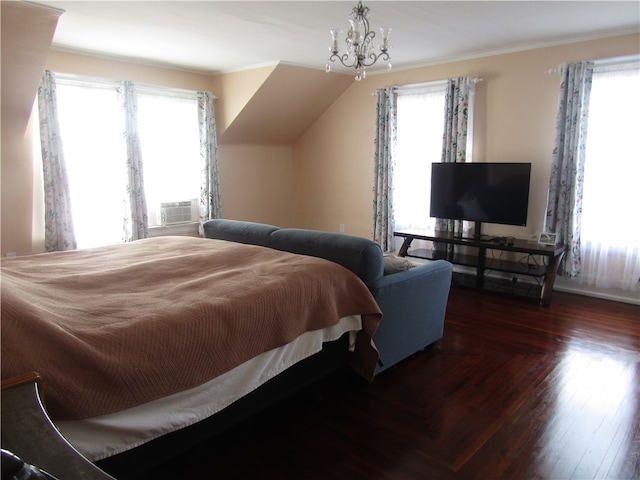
{"x": 190, "y": 229}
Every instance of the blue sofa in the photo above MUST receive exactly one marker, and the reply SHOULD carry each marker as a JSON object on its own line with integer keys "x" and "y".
{"x": 413, "y": 301}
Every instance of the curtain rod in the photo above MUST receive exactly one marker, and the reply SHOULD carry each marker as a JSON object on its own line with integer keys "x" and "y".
{"x": 607, "y": 64}
{"x": 426, "y": 85}
{"x": 109, "y": 82}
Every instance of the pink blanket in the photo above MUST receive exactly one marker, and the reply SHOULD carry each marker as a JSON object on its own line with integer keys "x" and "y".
{"x": 113, "y": 327}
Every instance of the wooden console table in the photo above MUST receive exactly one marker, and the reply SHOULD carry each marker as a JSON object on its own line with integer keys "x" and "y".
{"x": 472, "y": 252}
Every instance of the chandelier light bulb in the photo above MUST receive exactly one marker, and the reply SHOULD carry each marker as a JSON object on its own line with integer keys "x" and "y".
{"x": 356, "y": 32}
{"x": 361, "y": 52}
{"x": 334, "y": 48}
{"x": 384, "y": 34}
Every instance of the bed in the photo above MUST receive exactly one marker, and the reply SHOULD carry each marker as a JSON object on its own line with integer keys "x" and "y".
{"x": 136, "y": 342}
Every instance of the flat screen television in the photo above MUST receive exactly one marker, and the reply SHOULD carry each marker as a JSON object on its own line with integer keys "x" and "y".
{"x": 481, "y": 192}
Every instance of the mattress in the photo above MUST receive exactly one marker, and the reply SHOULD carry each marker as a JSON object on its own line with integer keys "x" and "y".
{"x": 114, "y": 327}
{"x": 103, "y": 436}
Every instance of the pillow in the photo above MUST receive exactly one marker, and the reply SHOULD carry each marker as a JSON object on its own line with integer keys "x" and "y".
{"x": 395, "y": 264}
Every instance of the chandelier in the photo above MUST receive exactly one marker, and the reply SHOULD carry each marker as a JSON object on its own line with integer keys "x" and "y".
{"x": 361, "y": 52}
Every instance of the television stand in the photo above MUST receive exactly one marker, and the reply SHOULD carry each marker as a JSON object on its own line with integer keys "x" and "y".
{"x": 486, "y": 269}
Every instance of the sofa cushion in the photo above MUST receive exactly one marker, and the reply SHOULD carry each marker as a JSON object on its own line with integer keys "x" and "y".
{"x": 395, "y": 264}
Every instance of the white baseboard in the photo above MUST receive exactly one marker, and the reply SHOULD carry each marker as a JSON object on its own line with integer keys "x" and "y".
{"x": 616, "y": 295}
{"x": 565, "y": 285}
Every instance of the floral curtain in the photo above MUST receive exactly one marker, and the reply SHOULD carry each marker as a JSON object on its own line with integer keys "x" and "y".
{"x": 135, "y": 221}
{"x": 458, "y": 100}
{"x": 210, "y": 201}
{"x": 59, "y": 234}
{"x": 384, "y": 160}
{"x": 564, "y": 201}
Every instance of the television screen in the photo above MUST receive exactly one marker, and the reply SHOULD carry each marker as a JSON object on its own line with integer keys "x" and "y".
{"x": 481, "y": 192}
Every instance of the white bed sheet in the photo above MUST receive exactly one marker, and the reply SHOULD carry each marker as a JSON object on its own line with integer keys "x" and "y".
{"x": 106, "y": 435}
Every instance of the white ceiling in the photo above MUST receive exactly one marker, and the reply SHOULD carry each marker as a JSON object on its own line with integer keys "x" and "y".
{"x": 222, "y": 36}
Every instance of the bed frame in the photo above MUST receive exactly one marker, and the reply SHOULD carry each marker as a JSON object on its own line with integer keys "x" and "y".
{"x": 130, "y": 464}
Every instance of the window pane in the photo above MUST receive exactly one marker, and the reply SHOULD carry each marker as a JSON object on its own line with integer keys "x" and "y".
{"x": 612, "y": 164}
{"x": 170, "y": 144}
{"x": 91, "y": 131}
{"x": 420, "y": 130}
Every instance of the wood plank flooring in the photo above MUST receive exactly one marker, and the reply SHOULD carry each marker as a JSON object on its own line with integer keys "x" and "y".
{"x": 513, "y": 391}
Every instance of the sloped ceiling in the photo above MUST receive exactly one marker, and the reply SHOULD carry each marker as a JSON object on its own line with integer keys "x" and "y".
{"x": 284, "y": 106}
{"x": 27, "y": 32}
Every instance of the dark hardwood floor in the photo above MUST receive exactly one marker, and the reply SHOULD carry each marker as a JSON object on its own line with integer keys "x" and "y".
{"x": 513, "y": 391}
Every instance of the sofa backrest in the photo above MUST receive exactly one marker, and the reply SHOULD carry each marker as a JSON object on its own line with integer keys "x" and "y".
{"x": 239, "y": 232}
{"x": 360, "y": 255}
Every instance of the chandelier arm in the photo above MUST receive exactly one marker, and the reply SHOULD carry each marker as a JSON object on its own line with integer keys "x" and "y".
{"x": 374, "y": 58}
{"x": 367, "y": 33}
{"x": 361, "y": 60}
{"x": 342, "y": 58}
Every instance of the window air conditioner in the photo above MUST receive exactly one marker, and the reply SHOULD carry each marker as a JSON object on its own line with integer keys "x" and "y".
{"x": 176, "y": 212}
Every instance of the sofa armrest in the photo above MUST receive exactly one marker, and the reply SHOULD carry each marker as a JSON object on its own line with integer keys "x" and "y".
{"x": 413, "y": 305}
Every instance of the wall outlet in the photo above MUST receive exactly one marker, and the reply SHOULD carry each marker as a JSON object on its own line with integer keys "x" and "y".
{"x": 342, "y": 228}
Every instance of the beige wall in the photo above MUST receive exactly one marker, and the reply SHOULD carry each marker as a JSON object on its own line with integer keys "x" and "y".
{"x": 514, "y": 121}
{"x": 256, "y": 183}
{"x": 17, "y": 192}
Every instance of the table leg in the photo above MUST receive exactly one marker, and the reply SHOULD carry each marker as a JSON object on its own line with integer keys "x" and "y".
{"x": 549, "y": 278}
{"x": 405, "y": 246}
{"x": 482, "y": 260}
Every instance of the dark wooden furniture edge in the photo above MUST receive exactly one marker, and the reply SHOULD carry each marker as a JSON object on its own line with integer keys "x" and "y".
{"x": 12, "y": 382}
{"x": 554, "y": 253}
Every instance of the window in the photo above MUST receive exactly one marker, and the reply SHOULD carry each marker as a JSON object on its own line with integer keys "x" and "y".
{"x": 91, "y": 131}
{"x": 612, "y": 167}
{"x": 419, "y": 144}
{"x": 410, "y": 136}
{"x": 91, "y": 126}
{"x": 610, "y": 234}
{"x": 170, "y": 144}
